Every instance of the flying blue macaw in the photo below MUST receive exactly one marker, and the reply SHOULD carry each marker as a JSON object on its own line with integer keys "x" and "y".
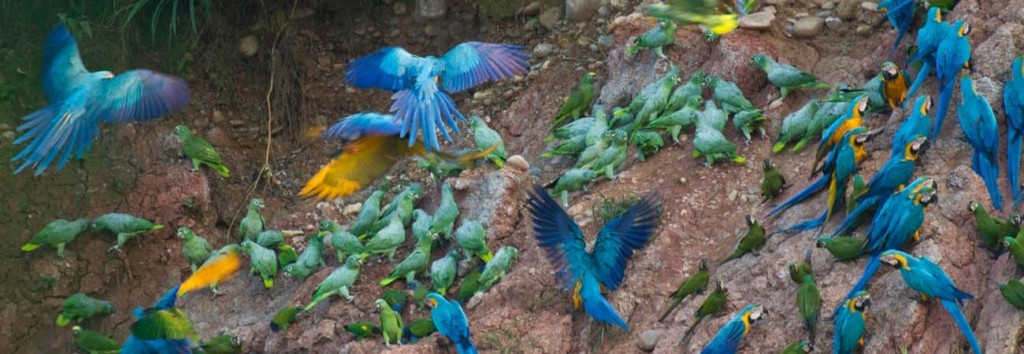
{"x": 160, "y": 329}
{"x": 853, "y": 118}
{"x": 897, "y": 222}
{"x": 928, "y": 278}
{"x": 850, "y": 322}
{"x": 895, "y": 173}
{"x": 954, "y": 54}
{"x": 450, "y": 320}
{"x": 584, "y": 272}
{"x": 918, "y": 124}
{"x": 421, "y": 84}
{"x": 928, "y": 39}
{"x": 727, "y": 341}
{"x": 79, "y": 100}
{"x": 1013, "y": 104}
{"x": 979, "y": 126}
{"x": 900, "y": 14}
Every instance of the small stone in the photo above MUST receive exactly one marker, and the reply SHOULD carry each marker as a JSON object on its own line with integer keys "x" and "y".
{"x": 647, "y": 340}
{"x": 7, "y": 136}
{"x": 427, "y": 10}
{"x": 431, "y": 30}
{"x": 248, "y": 46}
{"x": 482, "y": 95}
{"x": 733, "y": 194}
{"x": 770, "y": 9}
{"x": 531, "y": 9}
{"x": 682, "y": 180}
{"x": 619, "y": 4}
{"x": 833, "y": 22}
{"x": 518, "y": 162}
{"x": 863, "y": 30}
{"x": 848, "y": 9}
{"x": 581, "y": 10}
{"x": 823, "y": 14}
{"x": 809, "y": 27}
{"x": 549, "y": 18}
{"x": 592, "y": 47}
{"x": 606, "y": 41}
{"x": 352, "y": 209}
{"x": 759, "y": 20}
{"x": 604, "y": 11}
{"x": 828, "y": 5}
{"x": 774, "y": 105}
{"x": 775, "y": 2}
{"x": 400, "y": 9}
{"x": 543, "y": 50}
{"x": 869, "y": 5}
{"x": 218, "y": 117}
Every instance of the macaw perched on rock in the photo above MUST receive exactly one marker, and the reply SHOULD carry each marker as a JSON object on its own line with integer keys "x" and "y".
{"x": 900, "y": 14}
{"x": 420, "y": 85}
{"x": 94, "y": 342}
{"x": 1013, "y": 105}
{"x": 928, "y": 278}
{"x": 663, "y": 34}
{"x": 895, "y": 81}
{"x": 80, "y": 307}
{"x": 850, "y": 321}
{"x": 222, "y": 265}
{"x": 928, "y": 39}
{"x": 917, "y": 125}
{"x": 337, "y": 283}
{"x": 808, "y": 302}
{"x": 80, "y": 100}
{"x": 844, "y": 248}
{"x": 693, "y": 12}
{"x": 982, "y": 131}
{"x": 953, "y": 54}
{"x": 796, "y": 123}
{"x": 992, "y": 229}
{"x": 163, "y": 328}
{"x": 695, "y": 284}
{"x": 577, "y": 102}
{"x": 834, "y": 134}
{"x": 772, "y": 183}
{"x": 584, "y": 271}
{"x": 727, "y": 341}
{"x": 57, "y": 234}
{"x": 200, "y": 151}
{"x": 786, "y": 77}
{"x": 450, "y": 320}
{"x": 125, "y": 226}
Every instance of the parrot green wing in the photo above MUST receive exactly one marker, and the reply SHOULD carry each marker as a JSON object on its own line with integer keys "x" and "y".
{"x": 284, "y": 318}
{"x": 95, "y": 343}
{"x": 170, "y": 324}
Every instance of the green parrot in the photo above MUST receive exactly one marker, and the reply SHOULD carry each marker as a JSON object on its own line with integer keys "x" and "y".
{"x": 337, "y": 283}
{"x": 695, "y": 284}
{"x": 93, "y": 342}
{"x": 387, "y": 240}
{"x": 222, "y": 344}
{"x": 443, "y": 221}
{"x": 795, "y": 124}
{"x": 786, "y": 77}
{"x": 752, "y": 241}
{"x": 621, "y": 118}
{"x": 415, "y": 191}
{"x": 362, "y": 329}
{"x": 284, "y": 318}
{"x": 577, "y": 102}
{"x": 859, "y": 187}
{"x": 80, "y": 307}
{"x": 470, "y": 285}
{"x": 709, "y": 140}
{"x": 808, "y": 301}
{"x": 844, "y": 248}
{"x": 575, "y": 128}
{"x": 798, "y": 270}
{"x": 195, "y": 248}
{"x": 415, "y": 263}
{"x": 125, "y": 226}
{"x": 1013, "y": 292}
{"x": 56, "y": 234}
{"x": 993, "y": 230}
{"x": 773, "y": 183}
{"x": 270, "y": 238}
{"x": 311, "y": 258}
{"x": 443, "y": 271}
{"x": 419, "y": 328}
{"x": 396, "y": 298}
{"x": 390, "y": 324}
{"x": 262, "y": 261}
{"x": 368, "y": 214}
{"x": 421, "y": 224}
{"x": 343, "y": 242}
{"x": 685, "y": 93}
{"x": 599, "y": 128}
{"x": 872, "y": 89}
{"x": 593, "y": 151}
{"x": 573, "y": 180}
{"x": 200, "y": 151}
{"x": 714, "y": 304}
{"x": 611, "y": 158}
{"x": 729, "y": 95}
{"x": 713, "y": 116}
{"x": 406, "y": 203}
{"x": 673, "y": 122}
{"x": 801, "y": 347}
{"x": 286, "y": 255}
{"x": 472, "y": 237}
{"x": 661, "y": 35}
{"x": 497, "y": 267}
{"x": 651, "y": 90}
{"x": 252, "y": 224}
{"x": 572, "y": 146}
{"x": 648, "y": 142}
{"x": 485, "y": 137}
{"x": 656, "y": 100}
{"x": 748, "y": 121}
{"x": 823, "y": 117}
{"x": 1016, "y": 249}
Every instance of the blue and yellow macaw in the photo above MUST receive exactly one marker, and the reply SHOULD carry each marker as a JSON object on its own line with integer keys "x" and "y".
{"x": 727, "y": 341}
{"x": 979, "y": 126}
{"x": 1013, "y": 104}
{"x": 584, "y": 272}
{"x": 900, "y": 14}
{"x": 928, "y": 278}
{"x": 160, "y": 329}
{"x": 421, "y": 84}
{"x": 928, "y": 39}
{"x": 450, "y": 320}
{"x": 850, "y": 322}
{"x": 80, "y": 100}
{"x": 954, "y": 54}
{"x": 917, "y": 125}
{"x": 372, "y": 144}
{"x": 853, "y": 118}
{"x": 895, "y": 83}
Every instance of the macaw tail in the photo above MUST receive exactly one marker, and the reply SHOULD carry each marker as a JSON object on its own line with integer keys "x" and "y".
{"x": 801, "y": 196}
{"x": 869, "y": 270}
{"x": 599, "y": 309}
{"x": 215, "y": 271}
{"x": 426, "y": 109}
{"x": 689, "y": 332}
{"x": 922, "y": 74}
{"x": 989, "y": 172}
{"x": 945, "y": 94}
{"x": 671, "y": 307}
{"x": 466, "y": 347}
{"x": 961, "y": 321}
{"x": 1013, "y": 161}
{"x": 804, "y": 226}
{"x": 29, "y": 247}
{"x": 63, "y": 321}
{"x": 70, "y": 132}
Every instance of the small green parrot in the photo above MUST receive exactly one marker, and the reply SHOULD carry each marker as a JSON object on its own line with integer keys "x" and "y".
{"x": 709, "y": 141}
{"x": 713, "y": 116}
{"x": 844, "y": 248}
{"x": 695, "y": 284}
{"x": 798, "y": 270}
{"x": 418, "y": 328}
{"x": 748, "y": 121}
{"x": 362, "y": 329}
{"x": 655, "y": 100}
{"x": 443, "y": 221}
{"x": 576, "y": 128}
{"x": 415, "y": 263}
{"x": 396, "y": 298}
{"x": 729, "y": 95}
{"x": 286, "y": 255}
{"x": 752, "y": 241}
{"x": 593, "y": 151}
{"x": 94, "y": 342}
{"x": 443, "y": 271}
{"x": 200, "y": 151}
{"x": 573, "y": 180}
{"x": 599, "y": 128}
{"x": 387, "y": 240}
{"x": 577, "y": 102}
{"x": 284, "y": 318}
{"x": 1016, "y": 249}
{"x": 56, "y": 234}
{"x": 390, "y": 324}
{"x": 485, "y": 137}
{"x": 647, "y": 142}
{"x": 418, "y": 292}
{"x": 472, "y": 237}
{"x": 673, "y": 122}
{"x": 991, "y": 229}
{"x": 663, "y": 34}
{"x": 222, "y": 344}
{"x": 195, "y": 248}
{"x": 80, "y": 307}
{"x": 252, "y": 224}
{"x": 368, "y": 214}
{"x": 651, "y": 89}
{"x": 125, "y": 226}
{"x": 786, "y": 77}
{"x": 262, "y": 261}
{"x": 714, "y": 304}
{"x": 571, "y": 146}
{"x": 1013, "y": 292}
{"x": 823, "y": 118}
{"x": 312, "y": 258}
{"x": 470, "y": 285}
{"x": 611, "y": 158}
{"x": 343, "y": 242}
{"x": 621, "y": 118}
{"x": 801, "y": 347}
{"x": 497, "y": 267}
{"x": 808, "y": 301}
{"x": 270, "y": 238}
{"x": 773, "y": 183}
{"x": 402, "y": 205}
{"x": 337, "y": 283}
{"x": 795, "y": 124}
{"x": 687, "y": 92}
{"x": 421, "y": 223}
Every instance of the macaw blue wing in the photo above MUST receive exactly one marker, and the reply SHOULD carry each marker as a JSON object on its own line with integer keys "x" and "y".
{"x": 620, "y": 237}
{"x": 390, "y": 68}
{"x": 473, "y": 63}
{"x": 359, "y": 125}
{"x": 62, "y": 65}
{"x": 168, "y": 300}
{"x": 139, "y": 95}
{"x": 52, "y": 132}
{"x": 134, "y": 345}
{"x": 560, "y": 237}
{"x": 727, "y": 340}
{"x": 945, "y": 288}
{"x": 425, "y": 108}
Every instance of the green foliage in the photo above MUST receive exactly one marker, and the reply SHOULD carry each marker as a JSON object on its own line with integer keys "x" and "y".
{"x": 158, "y": 11}
{"x": 610, "y": 208}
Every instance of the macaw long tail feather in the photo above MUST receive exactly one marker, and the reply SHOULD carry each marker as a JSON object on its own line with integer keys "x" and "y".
{"x": 864, "y": 207}
{"x": 961, "y": 321}
{"x": 427, "y": 111}
{"x": 466, "y": 347}
{"x": 806, "y": 225}
{"x": 671, "y": 307}
{"x": 989, "y": 172}
{"x": 869, "y": 270}
{"x": 801, "y": 196}
{"x": 945, "y": 94}
{"x": 601, "y": 310}
{"x": 922, "y": 74}
{"x": 1013, "y": 147}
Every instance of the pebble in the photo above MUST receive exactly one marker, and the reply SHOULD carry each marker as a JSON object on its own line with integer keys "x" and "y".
{"x": 619, "y": 4}
{"x": 733, "y": 194}
{"x": 758, "y": 20}
{"x": 518, "y": 162}
{"x": 833, "y": 22}
{"x": 549, "y": 18}
{"x": 483, "y": 95}
{"x": 352, "y": 209}
{"x": 531, "y": 9}
{"x": 770, "y": 9}
{"x": 809, "y": 26}
{"x": 869, "y": 5}
{"x": 649, "y": 339}
{"x": 400, "y": 9}
{"x": 774, "y": 105}
{"x": 828, "y": 5}
{"x": 248, "y": 46}
{"x": 543, "y": 50}
{"x": 431, "y": 30}
{"x": 592, "y": 47}
{"x": 604, "y": 11}
{"x": 864, "y": 30}
{"x": 218, "y": 117}
{"x": 7, "y": 136}
{"x": 606, "y": 41}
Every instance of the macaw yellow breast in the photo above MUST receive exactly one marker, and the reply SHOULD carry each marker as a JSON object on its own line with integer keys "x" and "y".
{"x": 895, "y": 90}
{"x": 746, "y": 323}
